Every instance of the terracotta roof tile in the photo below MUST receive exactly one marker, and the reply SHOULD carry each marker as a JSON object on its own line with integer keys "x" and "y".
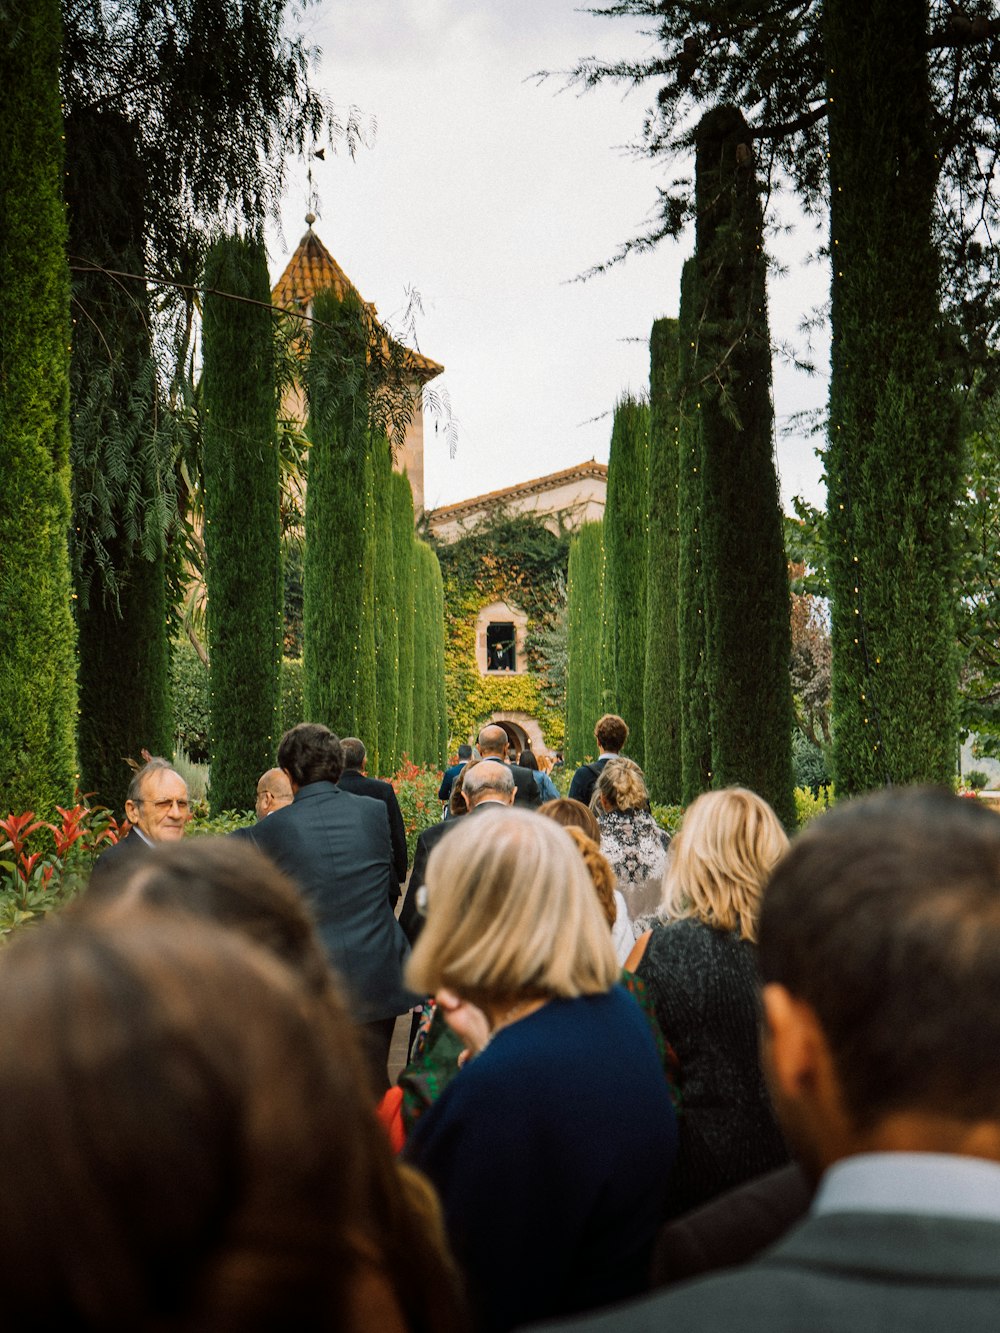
{"x": 538, "y": 486}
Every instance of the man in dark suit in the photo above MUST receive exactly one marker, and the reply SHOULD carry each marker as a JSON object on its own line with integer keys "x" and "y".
{"x": 157, "y": 807}
{"x": 452, "y": 772}
{"x": 355, "y": 779}
{"x": 484, "y": 786}
{"x": 611, "y": 733}
{"x": 336, "y": 847}
{"x": 492, "y": 745}
{"x": 880, "y": 956}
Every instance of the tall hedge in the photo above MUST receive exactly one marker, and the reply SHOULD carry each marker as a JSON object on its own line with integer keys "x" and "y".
{"x": 661, "y": 686}
{"x": 337, "y": 652}
{"x": 121, "y": 473}
{"x": 585, "y": 596}
{"x": 37, "y": 648}
{"x": 626, "y": 520}
{"x": 386, "y": 758}
{"x": 749, "y": 639}
{"x": 696, "y": 734}
{"x": 893, "y": 462}
{"x": 242, "y": 523}
{"x": 423, "y": 673}
{"x": 403, "y": 564}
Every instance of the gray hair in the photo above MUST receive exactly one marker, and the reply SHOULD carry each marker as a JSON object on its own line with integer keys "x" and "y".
{"x": 355, "y": 753}
{"x": 485, "y": 777}
{"x": 154, "y": 765}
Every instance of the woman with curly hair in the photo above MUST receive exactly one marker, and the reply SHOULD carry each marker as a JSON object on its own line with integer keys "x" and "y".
{"x": 631, "y": 839}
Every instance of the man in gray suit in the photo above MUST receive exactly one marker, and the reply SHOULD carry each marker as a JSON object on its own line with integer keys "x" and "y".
{"x": 337, "y": 849}
{"x": 880, "y": 957}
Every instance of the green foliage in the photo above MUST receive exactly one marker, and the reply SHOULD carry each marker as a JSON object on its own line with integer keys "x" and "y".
{"x": 977, "y": 780}
{"x": 403, "y": 566}
{"x": 746, "y": 581}
{"x": 978, "y": 537}
{"x": 585, "y": 596}
{"x": 661, "y": 689}
{"x": 668, "y": 817}
{"x": 430, "y": 714}
{"x": 808, "y": 762}
{"x": 385, "y": 758}
{"x": 293, "y": 709}
{"x": 512, "y": 558}
{"x": 809, "y": 804}
{"x": 626, "y": 523}
{"x": 696, "y": 743}
{"x": 242, "y": 531}
{"x": 416, "y": 788}
{"x": 894, "y": 454}
{"x": 190, "y": 689}
{"x": 337, "y": 510}
{"x": 218, "y": 825}
{"x": 37, "y": 659}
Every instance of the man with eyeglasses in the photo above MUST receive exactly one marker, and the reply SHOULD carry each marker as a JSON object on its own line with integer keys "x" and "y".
{"x": 157, "y": 808}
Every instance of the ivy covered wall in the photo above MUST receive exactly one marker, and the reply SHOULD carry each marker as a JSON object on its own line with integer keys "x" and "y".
{"x": 510, "y": 558}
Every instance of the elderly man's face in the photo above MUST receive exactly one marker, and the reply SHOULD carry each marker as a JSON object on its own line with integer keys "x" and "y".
{"x": 162, "y": 810}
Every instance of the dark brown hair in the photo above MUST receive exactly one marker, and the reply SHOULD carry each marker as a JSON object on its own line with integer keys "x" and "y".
{"x": 311, "y": 752}
{"x": 571, "y": 813}
{"x": 611, "y": 733}
{"x": 885, "y": 918}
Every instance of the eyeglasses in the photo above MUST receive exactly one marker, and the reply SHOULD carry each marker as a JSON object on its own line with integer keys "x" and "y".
{"x": 162, "y": 807}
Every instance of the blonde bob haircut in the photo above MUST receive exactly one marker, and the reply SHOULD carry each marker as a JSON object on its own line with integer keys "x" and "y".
{"x": 729, "y": 843}
{"x": 623, "y": 785}
{"x": 511, "y": 914}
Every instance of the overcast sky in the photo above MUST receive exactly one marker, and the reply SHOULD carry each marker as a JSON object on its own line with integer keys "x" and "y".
{"x": 487, "y": 193}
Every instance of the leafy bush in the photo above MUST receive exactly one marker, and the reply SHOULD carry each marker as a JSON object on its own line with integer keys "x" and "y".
{"x": 293, "y": 709}
{"x": 192, "y": 722}
{"x": 416, "y": 789}
{"x": 667, "y": 816}
{"x": 809, "y": 804}
{"x": 976, "y": 779}
{"x": 206, "y": 826}
{"x": 49, "y": 863}
{"x": 809, "y": 763}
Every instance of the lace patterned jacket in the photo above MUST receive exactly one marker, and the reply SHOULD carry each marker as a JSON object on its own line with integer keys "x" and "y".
{"x": 637, "y": 849}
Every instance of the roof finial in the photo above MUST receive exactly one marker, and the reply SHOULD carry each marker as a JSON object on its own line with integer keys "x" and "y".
{"x": 310, "y": 219}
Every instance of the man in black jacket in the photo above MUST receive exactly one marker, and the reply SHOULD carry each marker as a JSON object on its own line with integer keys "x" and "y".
{"x": 611, "y": 733}
{"x": 492, "y": 744}
{"x": 355, "y": 779}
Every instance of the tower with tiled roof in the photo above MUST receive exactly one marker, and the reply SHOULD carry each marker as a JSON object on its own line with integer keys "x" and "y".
{"x": 313, "y": 269}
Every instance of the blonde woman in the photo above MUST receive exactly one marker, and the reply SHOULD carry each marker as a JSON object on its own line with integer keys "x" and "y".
{"x": 631, "y": 839}
{"x": 699, "y": 963}
{"x": 552, "y": 1147}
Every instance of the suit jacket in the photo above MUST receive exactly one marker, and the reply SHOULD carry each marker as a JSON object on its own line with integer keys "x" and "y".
{"x": 447, "y": 779}
{"x": 409, "y": 918}
{"x": 117, "y": 861}
{"x": 358, "y": 784}
{"x": 336, "y": 847}
{"x": 840, "y": 1273}
{"x": 526, "y": 791}
{"x": 585, "y": 780}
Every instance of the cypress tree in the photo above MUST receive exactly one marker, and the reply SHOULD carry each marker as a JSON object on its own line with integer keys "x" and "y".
{"x": 122, "y": 504}
{"x": 386, "y": 610}
{"x": 661, "y": 697}
{"x": 422, "y": 654}
{"x": 626, "y": 520}
{"x": 333, "y": 593}
{"x": 403, "y": 560}
{"x": 893, "y": 463}
{"x": 242, "y": 524}
{"x": 748, "y": 637}
{"x": 37, "y": 659}
{"x": 366, "y": 703}
{"x": 696, "y": 739}
{"x": 586, "y": 598}
{"x": 441, "y": 731}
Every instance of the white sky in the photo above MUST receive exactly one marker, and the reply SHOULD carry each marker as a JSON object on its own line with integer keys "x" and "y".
{"x": 487, "y": 194}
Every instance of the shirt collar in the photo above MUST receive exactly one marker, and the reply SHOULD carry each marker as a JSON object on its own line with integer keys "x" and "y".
{"x": 932, "y": 1184}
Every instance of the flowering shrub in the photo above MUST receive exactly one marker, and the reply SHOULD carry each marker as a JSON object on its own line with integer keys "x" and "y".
{"x": 416, "y": 789}
{"x": 50, "y": 862}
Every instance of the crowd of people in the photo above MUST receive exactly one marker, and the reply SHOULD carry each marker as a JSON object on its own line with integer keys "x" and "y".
{"x": 649, "y": 1084}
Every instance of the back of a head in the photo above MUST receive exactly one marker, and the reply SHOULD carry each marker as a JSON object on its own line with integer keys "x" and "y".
{"x": 355, "y": 753}
{"x": 599, "y": 870}
{"x": 234, "y": 884}
{"x": 611, "y": 733}
{"x": 309, "y": 753}
{"x": 511, "y": 913}
{"x": 464, "y": 752}
{"x": 572, "y": 814}
{"x": 729, "y": 843}
{"x": 457, "y": 803}
{"x": 526, "y": 759}
{"x": 186, "y": 1141}
{"x": 885, "y": 918}
{"x": 492, "y": 740}
{"x": 482, "y": 781}
{"x": 623, "y": 786}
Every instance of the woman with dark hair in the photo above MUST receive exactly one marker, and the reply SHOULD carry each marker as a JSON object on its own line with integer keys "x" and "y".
{"x": 547, "y": 789}
{"x": 191, "y": 1149}
{"x": 231, "y": 883}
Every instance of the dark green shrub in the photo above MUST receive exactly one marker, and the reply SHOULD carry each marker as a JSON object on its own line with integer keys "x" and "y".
{"x": 192, "y": 706}
{"x": 293, "y": 709}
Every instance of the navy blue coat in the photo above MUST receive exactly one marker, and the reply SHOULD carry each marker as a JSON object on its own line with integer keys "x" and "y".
{"x": 337, "y": 849}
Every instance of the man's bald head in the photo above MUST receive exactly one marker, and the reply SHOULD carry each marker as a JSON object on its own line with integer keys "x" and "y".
{"x": 273, "y": 791}
{"x": 492, "y": 740}
{"x": 488, "y": 782}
